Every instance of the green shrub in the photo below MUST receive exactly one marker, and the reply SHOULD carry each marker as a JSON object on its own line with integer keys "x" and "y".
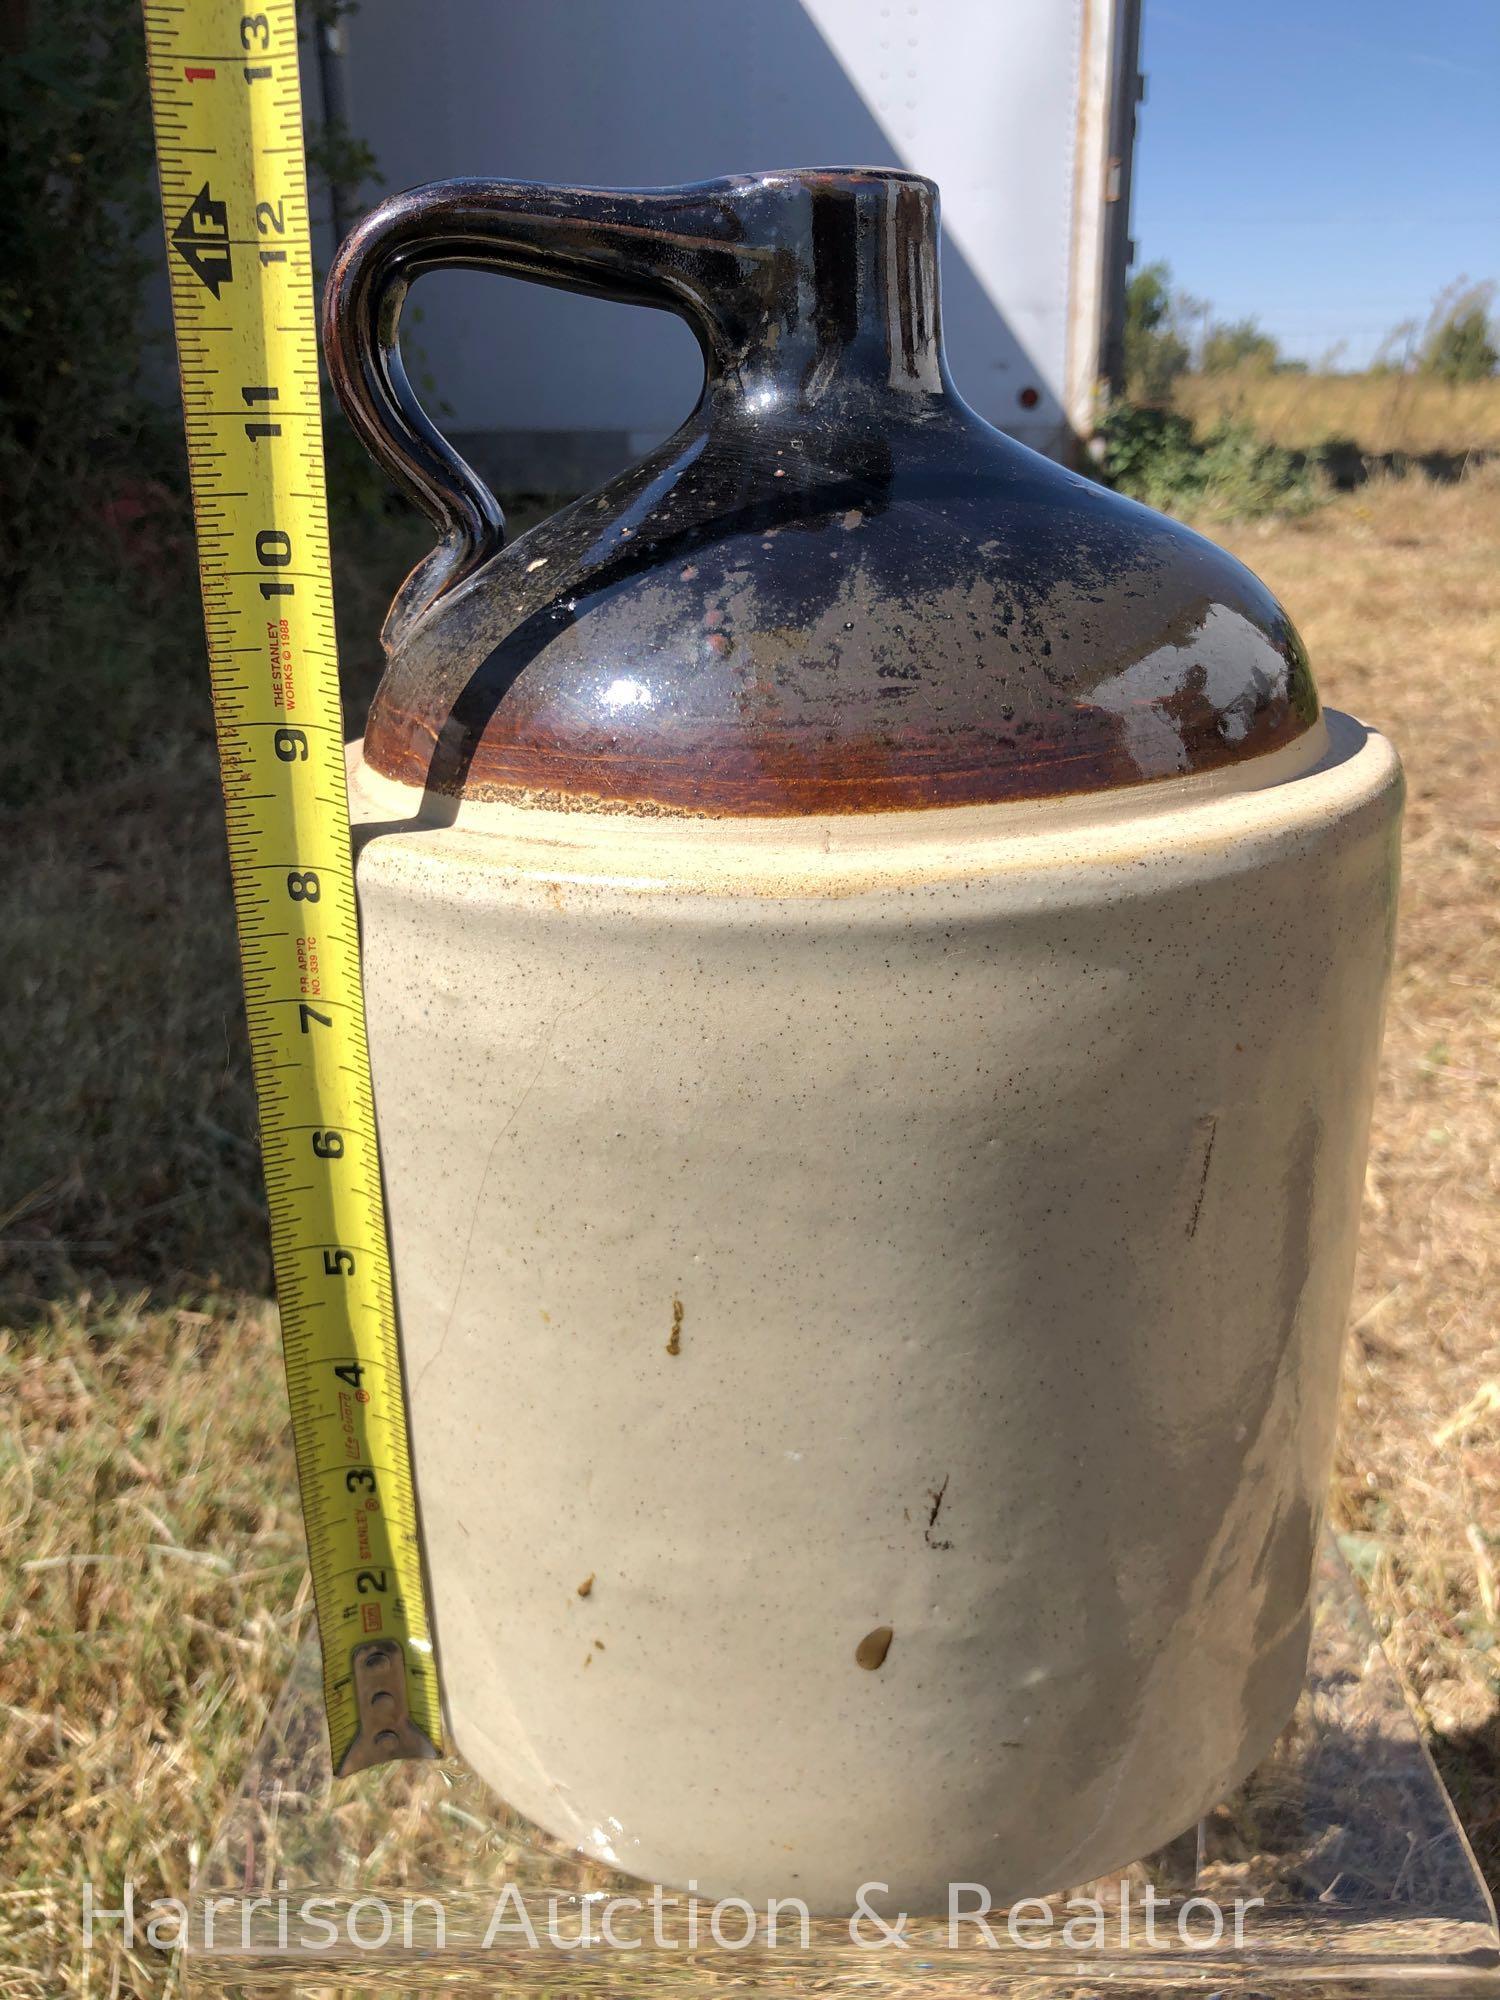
{"x": 102, "y": 660}
{"x": 79, "y": 200}
{"x": 102, "y": 649}
{"x": 1155, "y": 351}
{"x": 1459, "y": 348}
{"x": 1156, "y": 456}
{"x": 1240, "y": 343}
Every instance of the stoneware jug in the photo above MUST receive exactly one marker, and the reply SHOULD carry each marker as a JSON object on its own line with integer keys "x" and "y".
{"x": 875, "y": 961}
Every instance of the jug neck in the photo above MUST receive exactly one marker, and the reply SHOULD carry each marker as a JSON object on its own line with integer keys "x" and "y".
{"x": 833, "y": 286}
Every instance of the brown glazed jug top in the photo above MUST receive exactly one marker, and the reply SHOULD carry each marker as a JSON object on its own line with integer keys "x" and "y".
{"x": 834, "y": 589}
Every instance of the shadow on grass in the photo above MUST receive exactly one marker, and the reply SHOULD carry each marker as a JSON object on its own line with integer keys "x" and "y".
{"x": 130, "y": 1159}
{"x": 1468, "y": 1763}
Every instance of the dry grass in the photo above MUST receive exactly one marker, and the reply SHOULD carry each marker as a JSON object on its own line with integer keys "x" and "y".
{"x": 1381, "y": 414}
{"x": 152, "y": 1581}
{"x": 154, "y": 1586}
{"x": 1397, "y": 592}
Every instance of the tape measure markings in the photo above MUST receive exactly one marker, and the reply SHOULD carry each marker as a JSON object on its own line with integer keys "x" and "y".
{"x": 234, "y": 202}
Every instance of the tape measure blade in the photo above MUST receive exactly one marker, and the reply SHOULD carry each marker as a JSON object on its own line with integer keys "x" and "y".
{"x": 226, "y": 103}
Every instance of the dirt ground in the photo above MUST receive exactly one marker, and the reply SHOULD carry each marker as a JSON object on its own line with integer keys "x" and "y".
{"x": 152, "y": 1582}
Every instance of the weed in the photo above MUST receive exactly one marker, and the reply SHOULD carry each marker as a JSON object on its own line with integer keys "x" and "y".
{"x": 1156, "y": 456}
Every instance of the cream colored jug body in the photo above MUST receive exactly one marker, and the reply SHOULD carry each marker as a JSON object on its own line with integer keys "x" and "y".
{"x": 872, "y": 1293}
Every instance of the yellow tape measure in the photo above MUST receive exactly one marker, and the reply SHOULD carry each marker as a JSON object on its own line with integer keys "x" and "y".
{"x": 226, "y": 103}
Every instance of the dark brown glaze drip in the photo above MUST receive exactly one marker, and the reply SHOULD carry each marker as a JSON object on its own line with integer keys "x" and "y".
{"x": 835, "y": 589}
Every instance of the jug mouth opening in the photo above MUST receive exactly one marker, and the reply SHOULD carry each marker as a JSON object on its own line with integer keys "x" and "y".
{"x": 812, "y": 176}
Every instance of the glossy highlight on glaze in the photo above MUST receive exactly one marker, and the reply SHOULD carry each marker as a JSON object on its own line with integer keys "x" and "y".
{"x": 834, "y": 589}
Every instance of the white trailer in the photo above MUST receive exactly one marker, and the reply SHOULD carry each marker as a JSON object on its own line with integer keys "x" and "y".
{"x": 1023, "y": 111}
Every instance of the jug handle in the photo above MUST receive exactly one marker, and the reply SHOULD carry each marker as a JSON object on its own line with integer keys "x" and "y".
{"x": 672, "y": 248}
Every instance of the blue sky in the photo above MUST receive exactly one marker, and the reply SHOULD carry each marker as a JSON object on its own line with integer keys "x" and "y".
{"x": 1326, "y": 167}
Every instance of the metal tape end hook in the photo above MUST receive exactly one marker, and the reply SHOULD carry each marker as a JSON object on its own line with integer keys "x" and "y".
{"x": 386, "y": 1731}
